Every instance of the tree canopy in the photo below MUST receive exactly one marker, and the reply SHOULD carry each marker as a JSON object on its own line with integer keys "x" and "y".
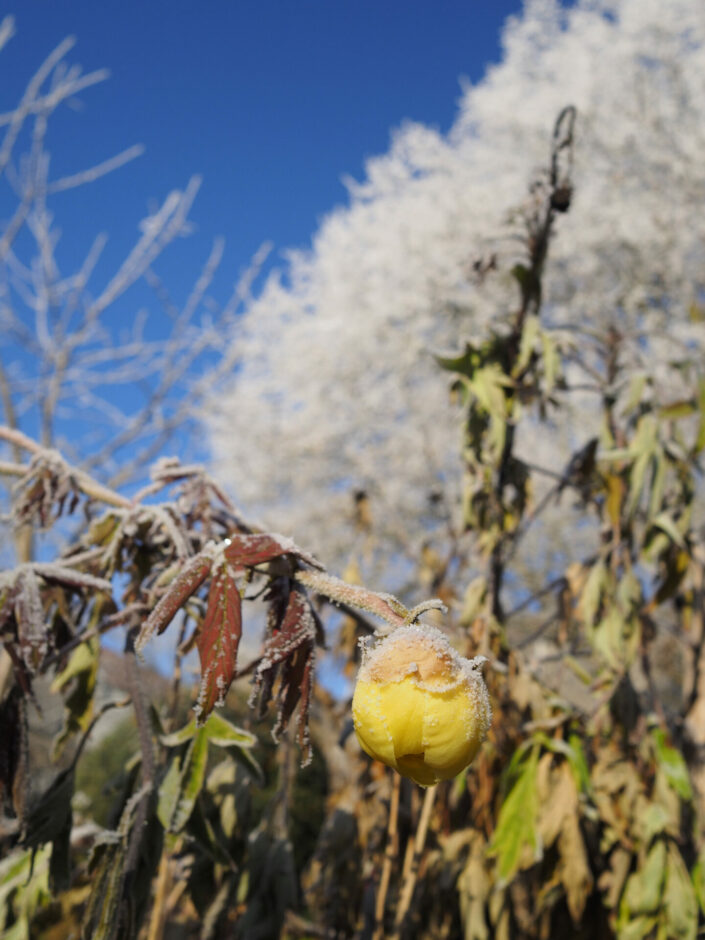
{"x": 336, "y": 377}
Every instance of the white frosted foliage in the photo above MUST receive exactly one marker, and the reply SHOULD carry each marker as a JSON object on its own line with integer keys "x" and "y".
{"x": 337, "y": 389}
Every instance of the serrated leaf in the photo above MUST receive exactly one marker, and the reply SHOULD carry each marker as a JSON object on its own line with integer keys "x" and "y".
{"x": 182, "y": 587}
{"x": 291, "y": 643}
{"x": 101, "y": 918}
{"x": 516, "y": 824}
{"x": 218, "y": 641}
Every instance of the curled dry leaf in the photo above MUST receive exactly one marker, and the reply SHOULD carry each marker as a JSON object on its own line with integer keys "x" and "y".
{"x": 41, "y": 495}
{"x": 289, "y": 654}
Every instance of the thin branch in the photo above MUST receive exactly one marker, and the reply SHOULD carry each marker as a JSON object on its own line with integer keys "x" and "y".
{"x": 411, "y": 874}
{"x": 390, "y": 854}
{"x": 95, "y": 172}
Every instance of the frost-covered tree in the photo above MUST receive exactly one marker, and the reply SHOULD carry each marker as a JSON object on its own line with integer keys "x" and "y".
{"x": 338, "y": 393}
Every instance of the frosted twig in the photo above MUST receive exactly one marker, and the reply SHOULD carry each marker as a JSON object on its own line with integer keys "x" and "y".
{"x": 385, "y": 606}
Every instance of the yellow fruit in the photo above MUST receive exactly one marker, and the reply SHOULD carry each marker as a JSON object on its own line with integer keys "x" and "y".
{"x": 418, "y": 706}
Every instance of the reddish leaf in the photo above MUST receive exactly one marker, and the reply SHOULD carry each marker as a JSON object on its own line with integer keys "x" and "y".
{"x": 290, "y": 652}
{"x": 296, "y": 682}
{"x": 297, "y": 627}
{"x": 218, "y": 640}
{"x": 255, "y": 549}
{"x": 180, "y": 589}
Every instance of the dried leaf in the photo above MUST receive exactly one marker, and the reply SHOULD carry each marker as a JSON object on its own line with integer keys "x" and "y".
{"x": 574, "y": 867}
{"x": 218, "y": 641}
{"x": 291, "y": 642}
{"x": 32, "y": 638}
{"x": 57, "y": 573}
{"x": 80, "y": 675}
{"x": 642, "y": 894}
{"x": 474, "y": 887}
{"x": 13, "y": 751}
{"x": 612, "y": 881}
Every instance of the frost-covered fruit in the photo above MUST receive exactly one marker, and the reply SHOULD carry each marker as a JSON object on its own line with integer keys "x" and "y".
{"x": 419, "y": 706}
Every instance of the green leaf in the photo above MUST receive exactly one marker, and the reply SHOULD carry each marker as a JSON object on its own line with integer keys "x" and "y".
{"x": 679, "y": 900}
{"x": 642, "y": 894}
{"x": 101, "y": 914}
{"x": 677, "y": 409}
{"x": 658, "y": 483}
{"x": 182, "y": 784}
{"x": 578, "y": 763}
{"x": 672, "y": 764}
{"x": 473, "y": 600}
{"x": 551, "y": 361}
{"x": 638, "y": 928}
{"x": 177, "y": 738}
{"x": 636, "y": 481}
{"x": 637, "y": 384}
{"x": 224, "y": 734}
{"x": 664, "y": 522}
{"x": 529, "y": 335}
{"x": 591, "y": 594}
{"x": 700, "y": 436}
{"x": 516, "y": 824}
{"x": 463, "y": 364}
{"x": 699, "y": 879}
{"x": 643, "y": 448}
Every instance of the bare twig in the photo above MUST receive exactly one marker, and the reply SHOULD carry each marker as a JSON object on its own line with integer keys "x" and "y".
{"x": 390, "y": 855}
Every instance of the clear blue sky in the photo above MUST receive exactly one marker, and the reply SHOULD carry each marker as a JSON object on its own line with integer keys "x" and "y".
{"x": 271, "y": 101}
